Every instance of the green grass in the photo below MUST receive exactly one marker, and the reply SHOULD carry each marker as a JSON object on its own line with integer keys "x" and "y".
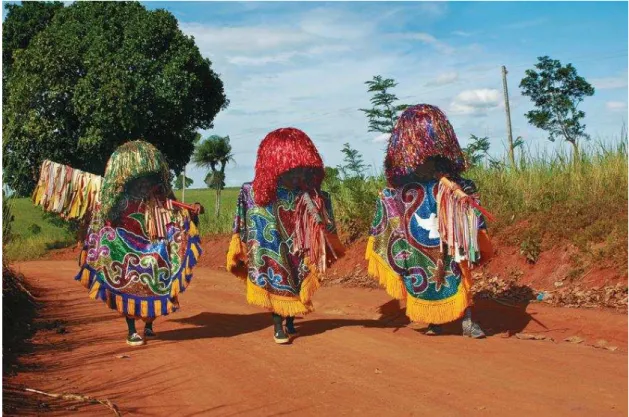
{"x": 209, "y": 223}
{"x": 32, "y": 235}
{"x": 554, "y": 200}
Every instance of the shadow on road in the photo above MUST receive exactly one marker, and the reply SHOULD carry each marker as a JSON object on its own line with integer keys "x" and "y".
{"x": 212, "y": 325}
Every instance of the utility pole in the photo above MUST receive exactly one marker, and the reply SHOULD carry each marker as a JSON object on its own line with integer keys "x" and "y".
{"x": 183, "y": 186}
{"x": 508, "y": 112}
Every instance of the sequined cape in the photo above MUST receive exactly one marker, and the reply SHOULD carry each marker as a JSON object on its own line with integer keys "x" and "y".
{"x": 404, "y": 254}
{"x": 261, "y": 251}
{"x": 133, "y": 274}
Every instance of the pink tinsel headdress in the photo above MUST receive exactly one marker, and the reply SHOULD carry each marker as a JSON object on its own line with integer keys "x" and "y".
{"x": 422, "y": 131}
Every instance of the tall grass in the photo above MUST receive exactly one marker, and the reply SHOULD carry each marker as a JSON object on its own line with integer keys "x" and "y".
{"x": 556, "y": 199}
{"x": 544, "y": 180}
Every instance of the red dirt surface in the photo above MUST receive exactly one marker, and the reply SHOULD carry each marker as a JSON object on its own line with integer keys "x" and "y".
{"x": 356, "y": 354}
{"x": 552, "y": 266}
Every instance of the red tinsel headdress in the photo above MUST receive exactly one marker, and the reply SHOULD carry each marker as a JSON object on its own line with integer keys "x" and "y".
{"x": 279, "y": 152}
{"x": 421, "y": 132}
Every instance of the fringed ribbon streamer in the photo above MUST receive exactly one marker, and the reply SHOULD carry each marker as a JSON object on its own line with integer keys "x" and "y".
{"x": 458, "y": 217}
{"x": 159, "y": 213}
{"x": 67, "y": 191}
{"x": 312, "y": 220}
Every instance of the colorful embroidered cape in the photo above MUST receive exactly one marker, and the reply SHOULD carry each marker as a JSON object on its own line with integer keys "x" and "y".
{"x": 404, "y": 254}
{"x": 133, "y": 274}
{"x": 141, "y": 246}
{"x": 261, "y": 250}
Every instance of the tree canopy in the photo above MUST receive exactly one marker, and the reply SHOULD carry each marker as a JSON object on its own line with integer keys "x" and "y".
{"x": 556, "y": 92}
{"x": 384, "y": 113}
{"x": 97, "y": 75}
{"x": 23, "y": 22}
{"x": 215, "y": 153}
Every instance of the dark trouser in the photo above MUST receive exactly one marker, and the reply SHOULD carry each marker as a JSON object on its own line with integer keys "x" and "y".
{"x": 277, "y": 322}
{"x": 148, "y": 323}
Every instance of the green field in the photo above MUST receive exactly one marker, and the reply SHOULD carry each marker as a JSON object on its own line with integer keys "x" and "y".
{"x": 31, "y": 234}
{"x": 209, "y": 223}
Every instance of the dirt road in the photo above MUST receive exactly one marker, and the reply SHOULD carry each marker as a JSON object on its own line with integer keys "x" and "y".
{"x": 216, "y": 357}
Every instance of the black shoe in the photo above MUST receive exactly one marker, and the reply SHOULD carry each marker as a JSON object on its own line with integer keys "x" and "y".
{"x": 280, "y": 337}
{"x": 148, "y": 332}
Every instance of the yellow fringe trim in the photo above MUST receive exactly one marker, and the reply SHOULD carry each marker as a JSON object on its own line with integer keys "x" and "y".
{"x": 192, "y": 228}
{"x": 436, "y": 312}
{"x": 439, "y": 312}
{"x": 311, "y": 283}
{"x": 236, "y": 256}
{"x": 388, "y": 278}
{"x": 286, "y": 306}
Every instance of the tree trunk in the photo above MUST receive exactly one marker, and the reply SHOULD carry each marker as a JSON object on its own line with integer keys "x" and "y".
{"x": 575, "y": 151}
{"x": 217, "y": 205}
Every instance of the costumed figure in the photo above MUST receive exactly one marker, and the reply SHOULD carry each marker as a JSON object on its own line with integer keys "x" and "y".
{"x": 141, "y": 244}
{"x": 284, "y": 232}
{"x": 429, "y": 228}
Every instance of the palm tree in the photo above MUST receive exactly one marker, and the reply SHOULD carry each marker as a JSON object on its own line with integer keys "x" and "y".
{"x": 214, "y": 153}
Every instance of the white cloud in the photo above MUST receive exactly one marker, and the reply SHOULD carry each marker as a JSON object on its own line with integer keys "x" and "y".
{"x": 382, "y": 138}
{"x": 428, "y": 39}
{"x": 616, "y": 105}
{"x": 286, "y": 57}
{"x": 322, "y": 24}
{"x": 610, "y": 83}
{"x": 462, "y": 33}
{"x": 244, "y": 39}
{"x": 433, "y": 9}
{"x": 444, "y": 78}
{"x": 261, "y": 60}
{"x": 476, "y": 102}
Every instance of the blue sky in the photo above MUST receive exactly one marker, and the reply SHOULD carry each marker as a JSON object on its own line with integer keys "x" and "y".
{"x": 304, "y": 65}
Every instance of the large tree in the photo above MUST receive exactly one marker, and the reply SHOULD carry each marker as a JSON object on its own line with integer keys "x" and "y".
{"x": 215, "y": 153}
{"x": 384, "y": 113}
{"x": 22, "y": 23}
{"x": 557, "y": 91}
{"x": 100, "y": 74}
